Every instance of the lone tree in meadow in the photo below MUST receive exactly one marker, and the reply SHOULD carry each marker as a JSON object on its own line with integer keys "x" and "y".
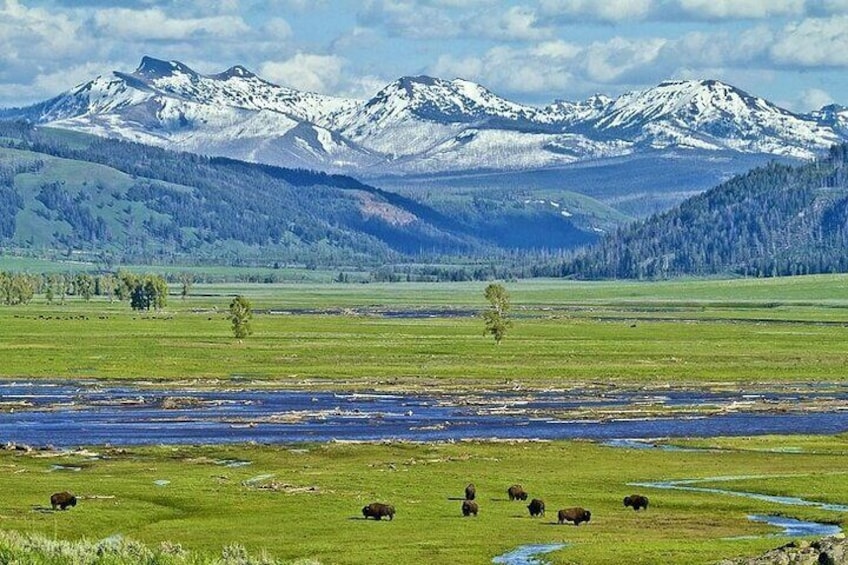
{"x": 241, "y": 315}
{"x": 186, "y": 282}
{"x": 496, "y": 317}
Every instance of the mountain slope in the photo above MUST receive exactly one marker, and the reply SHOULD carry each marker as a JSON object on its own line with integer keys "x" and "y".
{"x": 136, "y": 203}
{"x": 234, "y": 113}
{"x": 774, "y": 220}
{"x": 423, "y": 125}
{"x": 81, "y": 193}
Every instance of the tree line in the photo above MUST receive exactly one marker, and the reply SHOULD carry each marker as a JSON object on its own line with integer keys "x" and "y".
{"x": 772, "y": 221}
{"x": 142, "y": 292}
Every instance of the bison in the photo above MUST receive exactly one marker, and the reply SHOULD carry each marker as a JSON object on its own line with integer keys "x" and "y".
{"x": 470, "y": 492}
{"x": 377, "y": 510}
{"x": 62, "y": 500}
{"x": 536, "y": 507}
{"x": 575, "y": 515}
{"x": 516, "y": 492}
{"x": 637, "y": 501}
{"x": 469, "y": 507}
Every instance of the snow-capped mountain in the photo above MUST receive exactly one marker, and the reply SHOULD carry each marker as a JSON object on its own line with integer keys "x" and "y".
{"x": 709, "y": 114}
{"x": 423, "y": 124}
{"x": 833, "y": 116}
{"x": 405, "y": 117}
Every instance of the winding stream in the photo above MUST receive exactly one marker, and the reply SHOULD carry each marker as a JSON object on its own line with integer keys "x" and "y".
{"x": 527, "y": 554}
{"x": 796, "y": 528}
{"x": 689, "y": 485}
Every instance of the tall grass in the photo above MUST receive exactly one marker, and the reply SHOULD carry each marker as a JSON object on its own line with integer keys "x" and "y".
{"x": 34, "y": 549}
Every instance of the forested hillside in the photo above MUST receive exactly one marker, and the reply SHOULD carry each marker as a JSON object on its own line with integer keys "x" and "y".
{"x": 135, "y": 203}
{"x": 774, "y": 220}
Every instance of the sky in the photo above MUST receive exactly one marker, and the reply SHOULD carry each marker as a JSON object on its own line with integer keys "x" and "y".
{"x": 792, "y": 52}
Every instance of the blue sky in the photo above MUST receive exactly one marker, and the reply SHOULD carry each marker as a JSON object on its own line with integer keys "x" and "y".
{"x": 793, "y": 52}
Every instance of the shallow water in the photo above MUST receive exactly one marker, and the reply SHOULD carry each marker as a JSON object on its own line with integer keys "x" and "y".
{"x": 797, "y": 528}
{"x": 67, "y": 414}
{"x": 689, "y": 485}
{"x": 527, "y": 554}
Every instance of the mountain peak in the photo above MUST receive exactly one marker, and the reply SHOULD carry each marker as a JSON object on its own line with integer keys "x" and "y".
{"x": 407, "y": 81}
{"x": 151, "y": 68}
{"x": 690, "y": 82}
{"x": 235, "y": 72}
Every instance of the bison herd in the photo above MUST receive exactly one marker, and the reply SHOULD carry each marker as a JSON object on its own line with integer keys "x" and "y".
{"x": 575, "y": 515}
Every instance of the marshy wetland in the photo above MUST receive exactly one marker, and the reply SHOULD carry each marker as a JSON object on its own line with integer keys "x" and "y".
{"x": 166, "y": 427}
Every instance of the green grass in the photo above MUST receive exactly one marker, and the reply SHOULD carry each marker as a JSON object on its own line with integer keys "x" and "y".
{"x": 315, "y": 511}
{"x": 693, "y": 332}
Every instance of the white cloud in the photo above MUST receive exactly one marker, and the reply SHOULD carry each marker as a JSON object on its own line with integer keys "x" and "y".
{"x": 814, "y": 42}
{"x": 612, "y": 11}
{"x": 276, "y": 29}
{"x": 51, "y": 83}
{"x": 304, "y": 71}
{"x": 436, "y": 19}
{"x": 155, "y": 24}
{"x": 608, "y": 62}
{"x": 509, "y": 69}
{"x": 741, "y": 9}
{"x": 33, "y": 34}
{"x": 812, "y": 99}
{"x": 517, "y": 23}
{"x": 448, "y": 66}
{"x": 407, "y": 18}
{"x": 363, "y": 88}
{"x": 628, "y": 11}
{"x": 556, "y": 50}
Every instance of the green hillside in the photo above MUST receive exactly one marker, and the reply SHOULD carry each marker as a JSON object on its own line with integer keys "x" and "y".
{"x": 102, "y": 199}
{"x": 774, "y": 220}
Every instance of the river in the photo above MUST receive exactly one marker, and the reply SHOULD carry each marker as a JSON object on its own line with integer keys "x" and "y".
{"x": 70, "y": 413}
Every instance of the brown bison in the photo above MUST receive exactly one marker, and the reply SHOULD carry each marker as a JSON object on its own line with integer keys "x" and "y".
{"x": 470, "y": 492}
{"x": 377, "y": 510}
{"x": 469, "y": 507}
{"x": 637, "y": 501}
{"x": 575, "y": 515}
{"x": 536, "y": 507}
{"x": 62, "y": 500}
{"x": 516, "y": 492}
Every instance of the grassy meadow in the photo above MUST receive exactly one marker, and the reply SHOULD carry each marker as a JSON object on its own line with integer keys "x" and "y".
{"x": 564, "y": 333}
{"x": 304, "y": 501}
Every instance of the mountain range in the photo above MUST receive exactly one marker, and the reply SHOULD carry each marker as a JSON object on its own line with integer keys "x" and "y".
{"x": 427, "y": 169}
{"x": 420, "y": 125}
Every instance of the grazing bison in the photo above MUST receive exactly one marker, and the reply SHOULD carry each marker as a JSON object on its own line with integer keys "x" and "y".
{"x": 62, "y": 500}
{"x": 377, "y": 510}
{"x": 575, "y": 515}
{"x": 536, "y": 507}
{"x": 470, "y": 492}
{"x": 469, "y": 507}
{"x": 637, "y": 501}
{"x": 516, "y": 492}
